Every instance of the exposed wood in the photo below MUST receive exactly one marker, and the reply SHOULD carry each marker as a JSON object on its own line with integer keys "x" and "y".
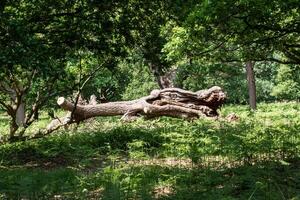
{"x": 93, "y": 100}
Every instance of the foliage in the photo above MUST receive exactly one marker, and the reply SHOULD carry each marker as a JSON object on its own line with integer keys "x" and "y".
{"x": 194, "y": 76}
{"x": 234, "y": 32}
{"x": 239, "y": 31}
{"x": 256, "y": 157}
{"x": 288, "y": 79}
{"x": 230, "y": 33}
{"x": 265, "y": 75}
{"x": 47, "y": 49}
{"x": 141, "y": 80}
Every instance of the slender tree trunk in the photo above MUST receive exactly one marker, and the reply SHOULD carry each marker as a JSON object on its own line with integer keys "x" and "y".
{"x": 251, "y": 84}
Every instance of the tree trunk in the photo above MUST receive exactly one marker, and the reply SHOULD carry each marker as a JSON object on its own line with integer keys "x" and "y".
{"x": 158, "y": 73}
{"x": 163, "y": 79}
{"x": 20, "y": 114}
{"x": 13, "y": 128}
{"x": 251, "y": 84}
{"x": 173, "y": 102}
{"x": 17, "y": 109}
{"x": 168, "y": 79}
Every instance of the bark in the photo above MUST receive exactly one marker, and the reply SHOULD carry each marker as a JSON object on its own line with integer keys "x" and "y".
{"x": 17, "y": 108}
{"x": 163, "y": 79}
{"x": 173, "y": 102}
{"x": 20, "y": 114}
{"x": 168, "y": 79}
{"x": 158, "y": 73}
{"x": 251, "y": 84}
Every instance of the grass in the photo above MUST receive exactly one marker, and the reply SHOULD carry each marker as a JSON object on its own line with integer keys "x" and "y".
{"x": 256, "y": 157}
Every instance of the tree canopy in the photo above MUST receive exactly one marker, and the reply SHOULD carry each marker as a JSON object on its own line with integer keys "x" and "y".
{"x": 229, "y": 31}
{"x": 54, "y": 48}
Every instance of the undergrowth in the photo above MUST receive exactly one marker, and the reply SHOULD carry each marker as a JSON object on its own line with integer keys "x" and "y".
{"x": 256, "y": 157}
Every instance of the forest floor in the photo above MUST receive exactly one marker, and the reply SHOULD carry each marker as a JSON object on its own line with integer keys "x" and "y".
{"x": 256, "y": 157}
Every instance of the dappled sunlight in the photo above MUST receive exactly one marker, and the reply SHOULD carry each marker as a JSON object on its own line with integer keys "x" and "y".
{"x": 141, "y": 100}
{"x": 165, "y": 158}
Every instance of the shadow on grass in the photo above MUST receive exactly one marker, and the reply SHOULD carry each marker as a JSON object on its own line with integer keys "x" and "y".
{"x": 68, "y": 149}
{"x": 245, "y": 141}
{"x": 83, "y": 165}
{"x": 261, "y": 181}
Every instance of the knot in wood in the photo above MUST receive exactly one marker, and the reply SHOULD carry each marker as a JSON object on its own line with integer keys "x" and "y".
{"x": 155, "y": 93}
{"x": 173, "y": 95}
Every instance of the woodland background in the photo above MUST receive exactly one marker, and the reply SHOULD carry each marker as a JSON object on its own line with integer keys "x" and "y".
{"x": 122, "y": 50}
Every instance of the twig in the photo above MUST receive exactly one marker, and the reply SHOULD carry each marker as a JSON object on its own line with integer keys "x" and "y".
{"x": 80, "y": 88}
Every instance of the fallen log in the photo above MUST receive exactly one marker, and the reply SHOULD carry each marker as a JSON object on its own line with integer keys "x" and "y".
{"x": 173, "y": 102}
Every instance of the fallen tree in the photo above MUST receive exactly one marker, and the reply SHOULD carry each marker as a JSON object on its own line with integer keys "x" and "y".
{"x": 173, "y": 102}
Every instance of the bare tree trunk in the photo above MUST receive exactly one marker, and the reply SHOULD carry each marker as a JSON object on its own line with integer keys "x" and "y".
{"x": 158, "y": 73}
{"x": 251, "y": 84}
{"x": 168, "y": 79}
{"x": 173, "y": 102}
{"x": 163, "y": 79}
{"x": 17, "y": 108}
{"x": 20, "y": 114}
{"x": 13, "y": 128}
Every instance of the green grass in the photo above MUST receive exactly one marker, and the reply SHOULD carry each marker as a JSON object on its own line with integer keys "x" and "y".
{"x": 256, "y": 157}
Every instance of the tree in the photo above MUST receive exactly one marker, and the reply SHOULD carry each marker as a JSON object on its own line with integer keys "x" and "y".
{"x": 239, "y": 31}
{"x": 40, "y": 38}
{"x": 142, "y": 23}
{"x": 31, "y": 69}
{"x": 203, "y": 75}
{"x": 171, "y": 102}
{"x": 287, "y": 83}
{"x": 37, "y": 39}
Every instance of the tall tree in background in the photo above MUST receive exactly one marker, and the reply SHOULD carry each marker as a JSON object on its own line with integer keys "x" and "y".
{"x": 142, "y": 22}
{"x": 241, "y": 31}
{"x": 39, "y": 40}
